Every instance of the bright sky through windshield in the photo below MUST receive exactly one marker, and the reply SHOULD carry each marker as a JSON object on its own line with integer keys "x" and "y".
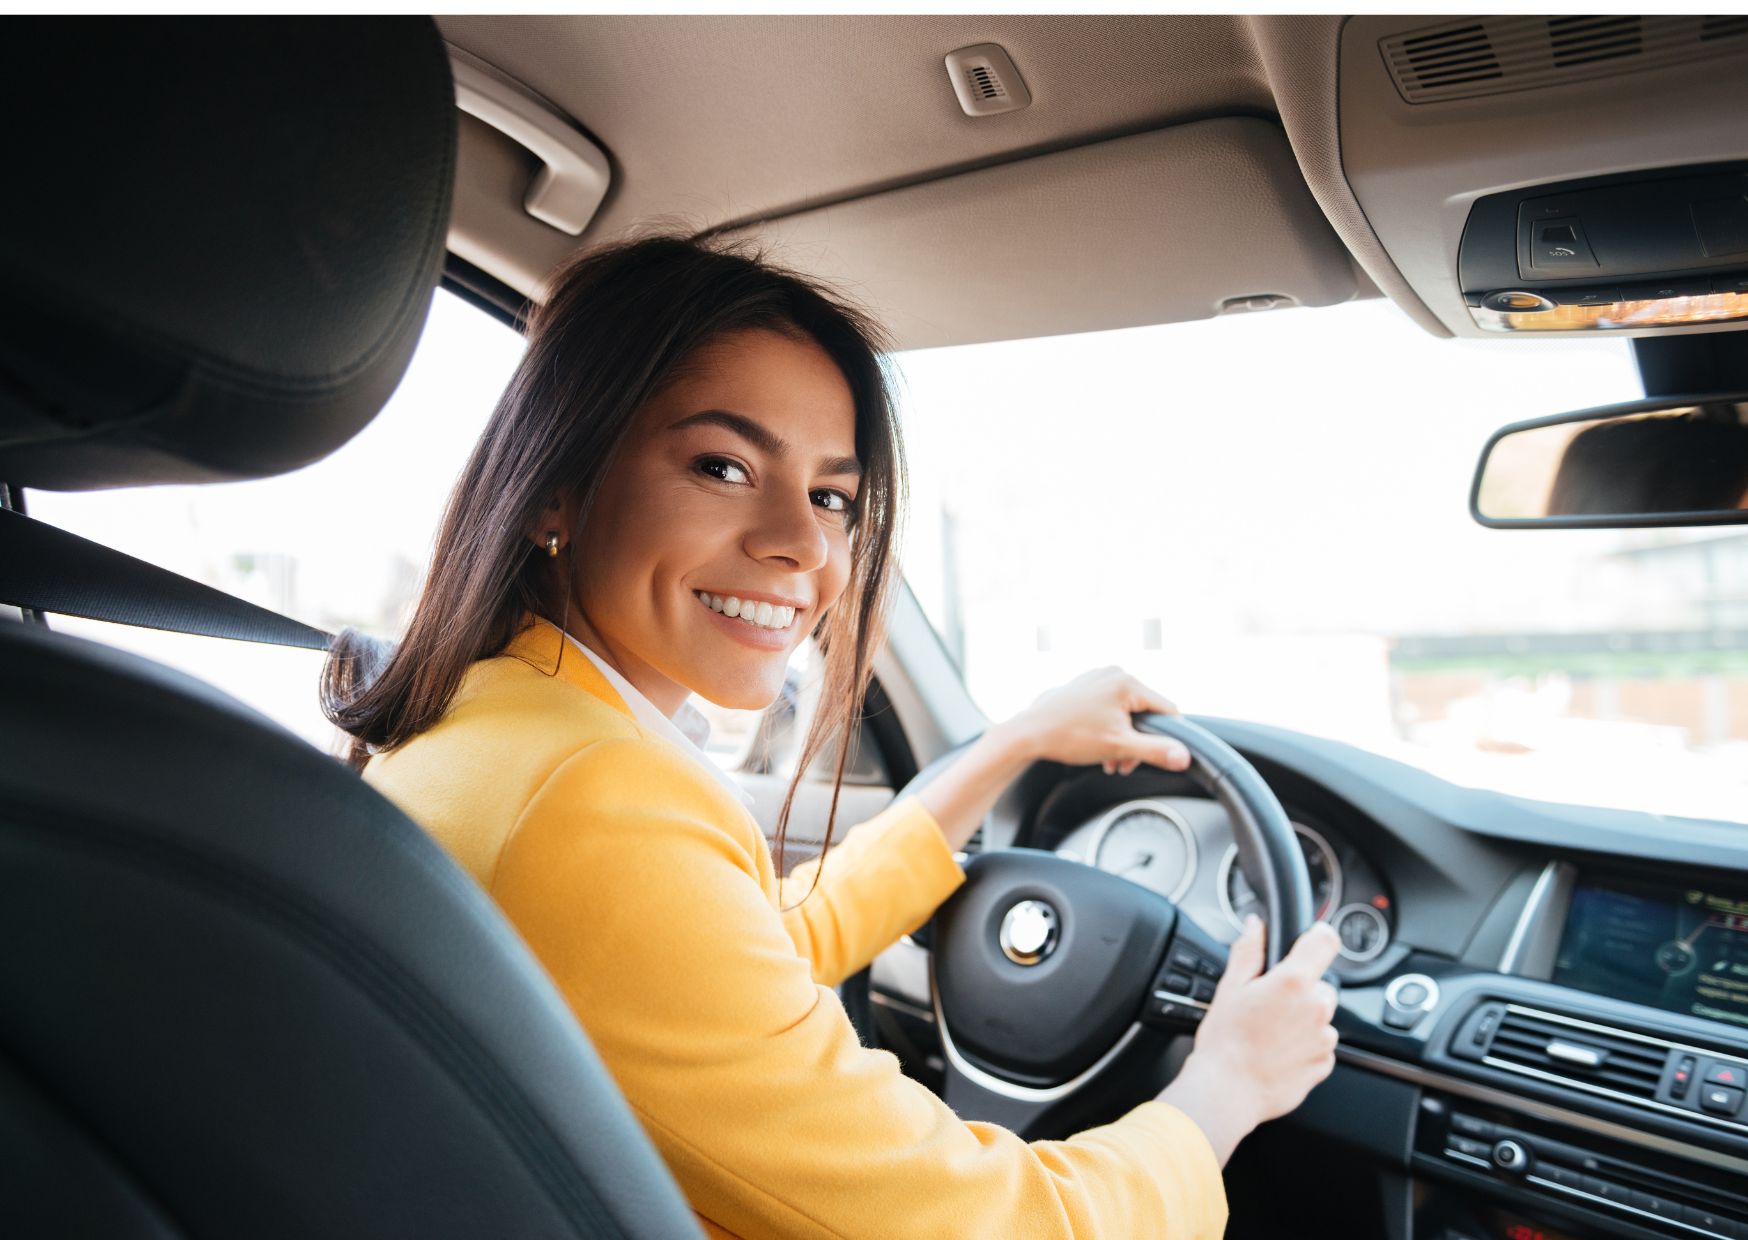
{"x": 1252, "y": 514}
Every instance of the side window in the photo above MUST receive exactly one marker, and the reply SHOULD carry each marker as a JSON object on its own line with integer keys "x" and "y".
{"x": 769, "y": 741}
{"x": 342, "y": 541}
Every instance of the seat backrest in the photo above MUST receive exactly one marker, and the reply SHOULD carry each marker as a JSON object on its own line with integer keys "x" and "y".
{"x": 240, "y": 993}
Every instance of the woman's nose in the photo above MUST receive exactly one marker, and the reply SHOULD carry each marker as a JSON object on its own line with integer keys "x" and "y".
{"x": 787, "y": 528}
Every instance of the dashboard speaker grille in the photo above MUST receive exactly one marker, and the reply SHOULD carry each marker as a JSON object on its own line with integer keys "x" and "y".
{"x": 1587, "y": 1055}
{"x": 1474, "y": 56}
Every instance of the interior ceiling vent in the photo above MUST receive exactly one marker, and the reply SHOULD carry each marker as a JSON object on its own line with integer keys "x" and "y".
{"x": 1491, "y": 55}
{"x": 1587, "y": 1056}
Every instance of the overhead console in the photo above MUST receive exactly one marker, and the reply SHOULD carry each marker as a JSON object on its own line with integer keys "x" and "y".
{"x": 1555, "y": 174}
{"x": 1610, "y": 253}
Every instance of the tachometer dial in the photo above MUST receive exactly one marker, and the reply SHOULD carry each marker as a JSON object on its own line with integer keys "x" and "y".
{"x": 1238, "y": 899}
{"x": 1148, "y": 843}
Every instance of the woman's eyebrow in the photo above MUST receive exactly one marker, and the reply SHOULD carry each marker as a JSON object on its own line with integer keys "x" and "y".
{"x": 762, "y": 439}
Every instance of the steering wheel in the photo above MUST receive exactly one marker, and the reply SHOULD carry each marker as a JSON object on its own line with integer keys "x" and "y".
{"x": 1058, "y": 987}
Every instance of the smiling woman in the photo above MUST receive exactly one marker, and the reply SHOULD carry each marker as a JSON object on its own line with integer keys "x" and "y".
{"x": 626, "y": 336}
{"x": 696, "y": 467}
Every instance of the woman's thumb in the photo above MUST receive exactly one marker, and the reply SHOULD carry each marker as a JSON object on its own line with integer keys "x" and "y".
{"x": 1245, "y": 960}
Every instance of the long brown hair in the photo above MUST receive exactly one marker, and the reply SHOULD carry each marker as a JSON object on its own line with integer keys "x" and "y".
{"x": 619, "y": 324}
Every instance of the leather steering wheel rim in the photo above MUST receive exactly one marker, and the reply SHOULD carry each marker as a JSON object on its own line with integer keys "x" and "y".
{"x": 1034, "y": 1035}
{"x": 1268, "y": 848}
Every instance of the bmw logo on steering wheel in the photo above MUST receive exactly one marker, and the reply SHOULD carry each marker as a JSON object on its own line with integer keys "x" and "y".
{"x": 1028, "y": 932}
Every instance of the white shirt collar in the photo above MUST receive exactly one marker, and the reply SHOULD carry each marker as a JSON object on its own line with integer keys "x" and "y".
{"x": 688, "y": 729}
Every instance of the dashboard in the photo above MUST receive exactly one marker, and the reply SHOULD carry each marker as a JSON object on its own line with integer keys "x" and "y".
{"x": 1544, "y": 1008}
{"x": 1183, "y": 848}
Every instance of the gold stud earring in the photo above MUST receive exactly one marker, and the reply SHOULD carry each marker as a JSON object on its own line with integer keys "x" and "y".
{"x": 551, "y": 542}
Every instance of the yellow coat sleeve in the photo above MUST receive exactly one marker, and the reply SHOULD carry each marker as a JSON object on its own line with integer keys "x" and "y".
{"x": 881, "y": 880}
{"x": 652, "y": 911}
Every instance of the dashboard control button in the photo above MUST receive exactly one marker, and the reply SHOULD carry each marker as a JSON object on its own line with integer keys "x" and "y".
{"x": 1609, "y": 1191}
{"x": 1719, "y": 1099}
{"x": 1469, "y": 1146}
{"x": 1683, "y": 1078}
{"x": 1565, "y": 1177}
{"x": 1471, "y": 1125}
{"x": 1508, "y": 1155}
{"x": 1407, "y": 998}
{"x": 1652, "y": 1204}
{"x": 1731, "y": 1074}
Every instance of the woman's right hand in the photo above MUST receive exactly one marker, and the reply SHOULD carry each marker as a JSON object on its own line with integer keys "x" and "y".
{"x": 1266, "y": 1040}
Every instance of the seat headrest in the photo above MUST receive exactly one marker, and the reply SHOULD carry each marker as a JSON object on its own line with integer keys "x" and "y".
{"x": 218, "y": 240}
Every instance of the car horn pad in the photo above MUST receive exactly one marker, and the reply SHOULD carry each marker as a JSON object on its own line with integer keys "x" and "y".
{"x": 1042, "y": 963}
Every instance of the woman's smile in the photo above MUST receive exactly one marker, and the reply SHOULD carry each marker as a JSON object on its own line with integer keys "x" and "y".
{"x": 760, "y": 610}
{"x": 763, "y": 631}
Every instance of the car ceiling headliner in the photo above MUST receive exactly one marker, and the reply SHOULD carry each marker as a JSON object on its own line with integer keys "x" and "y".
{"x": 731, "y": 118}
{"x": 722, "y": 122}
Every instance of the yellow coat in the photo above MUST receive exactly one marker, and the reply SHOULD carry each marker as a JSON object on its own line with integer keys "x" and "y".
{"x": 649, "y": 894}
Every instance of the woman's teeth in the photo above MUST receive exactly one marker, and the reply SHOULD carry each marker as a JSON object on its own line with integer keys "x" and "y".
{"x": 764, "y": 615}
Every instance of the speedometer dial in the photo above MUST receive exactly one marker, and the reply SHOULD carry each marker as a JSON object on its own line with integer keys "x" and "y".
{"x": 1147, "y": 843}
{"x": 1237, "y": 898}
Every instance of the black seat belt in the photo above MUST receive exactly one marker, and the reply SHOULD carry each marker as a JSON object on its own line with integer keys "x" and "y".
{"x": 47, "y": 569}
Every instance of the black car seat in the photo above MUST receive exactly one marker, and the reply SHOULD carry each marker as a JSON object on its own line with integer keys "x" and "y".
{"x": 240, "y": 994}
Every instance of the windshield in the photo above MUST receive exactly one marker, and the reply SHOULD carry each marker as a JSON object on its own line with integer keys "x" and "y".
{"x": 1267, "y": 518}
{"x": 1263, "y": 517}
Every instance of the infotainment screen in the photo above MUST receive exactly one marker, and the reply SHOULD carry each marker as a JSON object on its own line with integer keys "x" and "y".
{"x": 1684, "y": 949}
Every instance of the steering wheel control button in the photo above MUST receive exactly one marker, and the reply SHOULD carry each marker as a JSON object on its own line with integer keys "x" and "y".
{"x": 1166, "y": 1009}
{"x": 1407, "y": 998}
{"x": 1508, "y": 1155}
{"x": 1179, "y": 983}
{"x": 1202, "y": 990}
{"x": 1029, "y": 932}
{"x": 1719, "y": 1100}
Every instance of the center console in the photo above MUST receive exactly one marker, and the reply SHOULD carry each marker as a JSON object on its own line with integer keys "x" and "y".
{"x": 1597, "y": 1085}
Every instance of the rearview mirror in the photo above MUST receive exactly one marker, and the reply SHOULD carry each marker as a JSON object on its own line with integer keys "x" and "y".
{"x": 1668, "y": 461}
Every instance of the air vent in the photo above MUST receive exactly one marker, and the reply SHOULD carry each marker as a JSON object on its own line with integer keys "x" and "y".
{"x": 1449, "y": 59}
{"x": 1585, "y": 40}
{"x": 985, "y": 80}
{"x": 1475, "y": 56}
{"x": 1581, "y": 1053}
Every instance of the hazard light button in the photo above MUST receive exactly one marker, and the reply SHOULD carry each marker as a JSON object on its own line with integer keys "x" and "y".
{"x": 1733, "y": 1075}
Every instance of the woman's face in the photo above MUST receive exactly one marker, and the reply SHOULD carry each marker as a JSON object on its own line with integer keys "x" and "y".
{"x": 735, "y": 483}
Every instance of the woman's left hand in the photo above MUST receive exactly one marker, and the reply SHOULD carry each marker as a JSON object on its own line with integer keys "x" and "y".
{"x": 1088, "y": 720}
